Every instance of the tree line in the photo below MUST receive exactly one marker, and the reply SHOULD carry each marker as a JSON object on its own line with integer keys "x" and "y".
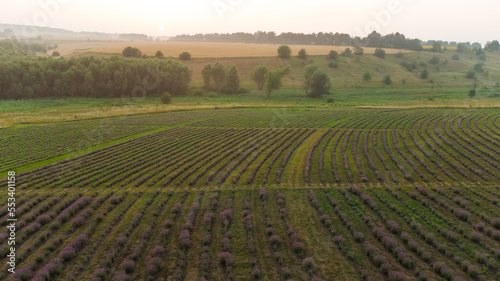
{"x": 92, "y": 77}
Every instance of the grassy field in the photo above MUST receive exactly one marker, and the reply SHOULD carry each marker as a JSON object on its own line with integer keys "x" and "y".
{"x": 197, "y": 49}
{"x": 258, "y": 194}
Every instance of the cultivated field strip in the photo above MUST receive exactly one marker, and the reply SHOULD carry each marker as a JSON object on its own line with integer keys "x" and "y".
{"x": 354, "y": 233}
{"x": 372, "y": 146}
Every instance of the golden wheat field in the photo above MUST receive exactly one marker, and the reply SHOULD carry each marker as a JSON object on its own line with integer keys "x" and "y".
{"x": 197, "y": 49}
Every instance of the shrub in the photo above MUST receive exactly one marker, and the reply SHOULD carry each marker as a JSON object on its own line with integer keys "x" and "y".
{"x": 158, "y": 251}
{"x": 471, "y": 74}
{"x": 284, "y": 52}
{"x": 387, "y": 80}
{"x": 329, "y": 100}
{"x": 308, "y": 263}
{"x": 333, "y": 55}
{"x": 302, "y": 54}
{"x": 478, "y": 67}
{"x": 127, "y": 266}
{"x": 496, "y": 223}
{"x": 333, "y": 64}
{"x": 225, "y": 258}
{"x": 434, "y": 60}
{"x": 386, "y": 268}
{"x": 399, "y": 55}
{"x": 347, "y": 53}
{"x": 475, "y": 236}
{"x": 380, "y": 53}
{"x": 262, "y": 193}
{"x": 455, "y": 57}
{"x": 56, "y": 54}
{"x": 185, "y": 56}
{"x": 397, "y": 276}
{"x": 166, "y": 98}
{"x": 68, "y": 253}
{"x": 159, "y": 54}
{"x": 130, "y": 52}
{"x": 367, "y": 76}
{"x": 424, "y": 74}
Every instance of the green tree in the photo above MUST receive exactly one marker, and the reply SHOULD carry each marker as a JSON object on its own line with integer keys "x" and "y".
{"x": 259, "y": 76}
{"x": 387, "y": 80}
{"x": 461, "y": 48}
{"x": 455, "y": 57}
{"x": 434, "y": 60}
{"x": 159, "y": 54}
{"x": 206, "y": 72}
{"x": 358, "y": 51}
{"x": 232, "y": 81}
{"x": 185, "y": 56}
{"x": 130, "y": 52}
{"x": 284, "y": 52}
{"x": 333, "y": 55}
{"x": 492, "y": 46}
{"x": 219, "y": 75}
{"x": 436, "y": 47}
{"x": 308, "y": 73}
{"x": 347, "y": 53}
{"x": 471, "y": 74}
{"x": 367, "y": 76}
{"x": 380, "y": 53}
{"x": 56, "y": 54}
{"x": 478, "y": 67}
{"x": 274, "y": 80}
{"x": 424, "y": 74}
{"x": 320, "y": 84}
{"x": 302, "y": 54}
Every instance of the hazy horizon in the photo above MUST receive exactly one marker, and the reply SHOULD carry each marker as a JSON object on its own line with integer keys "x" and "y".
{"x": 425, "y": 20}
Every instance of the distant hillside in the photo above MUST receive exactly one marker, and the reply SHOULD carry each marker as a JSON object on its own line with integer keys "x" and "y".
{"x": 9, "y": 30}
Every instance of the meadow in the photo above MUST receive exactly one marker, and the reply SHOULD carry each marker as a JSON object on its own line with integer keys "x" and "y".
{"x": 258, "y": 194}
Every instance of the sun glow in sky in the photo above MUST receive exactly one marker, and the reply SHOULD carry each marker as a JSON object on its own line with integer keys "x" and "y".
{"x": 456, "y": 20}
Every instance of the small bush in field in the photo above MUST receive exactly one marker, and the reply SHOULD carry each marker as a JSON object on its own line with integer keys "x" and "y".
{"x": 127, "y": 266}
{"x": 308, "y": 263}
{"x": 496, "y": 223}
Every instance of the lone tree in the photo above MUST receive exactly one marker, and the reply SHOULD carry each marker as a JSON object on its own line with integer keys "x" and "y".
{"x": 387, "y": 80}
{"x": 367, "y": 76}
{"x": 461, "y": 48}
{"x": 284, "y": 52}
{"x": 273, "y": 80}
{"x": 436, "y": 47}
{"x": 130, "y": 52}
{"x": 358, "y": 51}
{"x": 302, "y": 54}
{"x": 185, "y": 56}
{"x": 320, "y": 84}
{"x": 492, "y": 46}
{"x": 472, "y": 92}
{"x": 259, "y": 76}
{"x": 219, "y": 75}
{"x": 347, "y": 53}
{"x": 232, "y": 81}
{"x": 333, "y": 55}
{"x": 159, "y": 54}
{"x": 206, "y": 72}
{"x": 308, "y": 73}
{"x": 56, "y": 54}
{"x": 424, "y": 74}
{"x": 380, "y": 53}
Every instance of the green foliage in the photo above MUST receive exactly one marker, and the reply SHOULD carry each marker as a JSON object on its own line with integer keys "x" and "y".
{"x": 259, "y": 76}
{"x": 302, "y": 54}
{"x": 480, "y": 52}
{"x": 56, "y": 54}
{"x": 308, "y": 73}
{"x": 482, "y": 57}
{"x": 478, "y": 67}
{"x": 130, "y": 52}
{"x": 434, "y": 60}
{"x": 219, "y": 75}
{"x": 380, "y": 53}
{"x": 424, "y": 74}
{"x": 367, "y": 76}
{"x": 347, "y": 53}
{"x": 472, "y": 92}
{"x": 333, "y": 55}
{"x": 471, "y": 74}
{"x": 492, "y": 46}
{"x": 329, "y": 100}
{"x": 333, "y": 64}
{"x": 273, "y": 80}
{"x": 358, "y": 51}
{"x": 387, "y": 80}
{"x": 319, "y": 85}
{"x": 436, "y": 47}
{"x": 159, "y": 54}
{"x": 284, "y": 52}
{"x": 409, "y": 66}
{"x": 206, "y": 73}
{"x": 185, "y": 56}
{"x": 92, "y": 77}
{"x": 232, "y": 85}
{"x": 400, "y": 55}
{"x": 455, "y": 57}
{"x": 461, "y": 48}
{"x": 166, "y": 98}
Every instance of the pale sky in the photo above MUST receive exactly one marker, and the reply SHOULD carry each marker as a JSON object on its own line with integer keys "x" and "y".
{"x": 456, "y": 20}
